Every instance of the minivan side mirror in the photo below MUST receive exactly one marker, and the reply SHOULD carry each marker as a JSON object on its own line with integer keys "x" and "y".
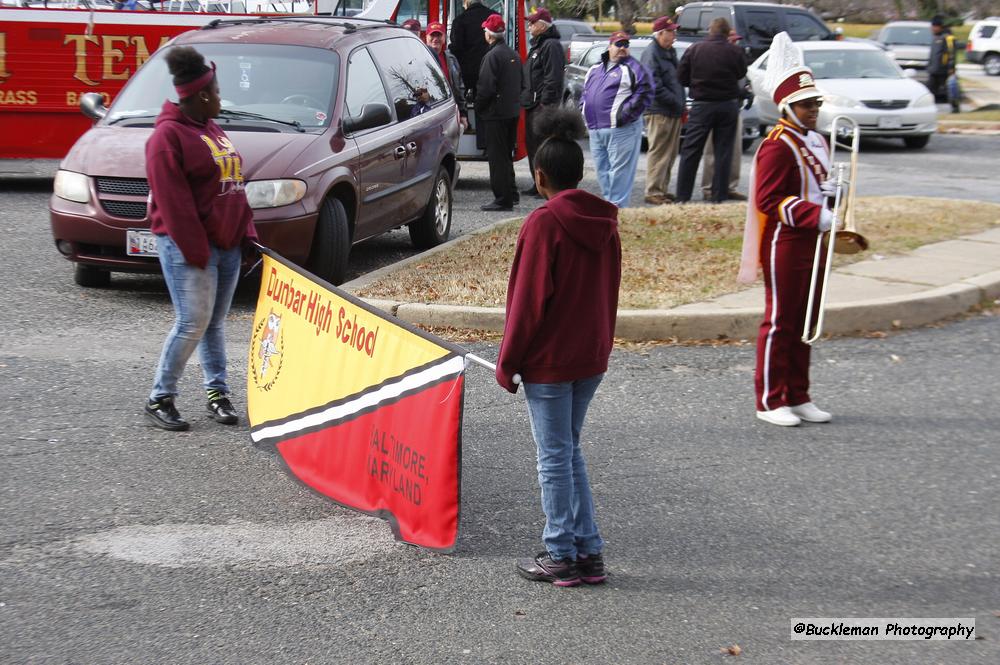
{"x": 92, "y": 106}
{"x": 372, "y": 115}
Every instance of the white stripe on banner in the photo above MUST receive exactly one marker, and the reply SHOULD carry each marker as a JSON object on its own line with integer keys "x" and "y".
{"x": 387, "y": 392}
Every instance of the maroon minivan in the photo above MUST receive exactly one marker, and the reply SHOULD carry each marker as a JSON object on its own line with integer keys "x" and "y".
{"x": 323, "y": 113}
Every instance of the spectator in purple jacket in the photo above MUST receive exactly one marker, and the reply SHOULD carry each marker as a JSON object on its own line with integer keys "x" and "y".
{"x": 616, "y": 92}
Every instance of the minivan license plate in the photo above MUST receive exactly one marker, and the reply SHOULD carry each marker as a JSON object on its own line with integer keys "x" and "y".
{"x": 890, "y": 122}
{"x": 140, "y": 242}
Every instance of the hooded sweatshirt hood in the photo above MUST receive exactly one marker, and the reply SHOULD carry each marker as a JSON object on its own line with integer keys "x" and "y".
{"x": 589, "y": 220}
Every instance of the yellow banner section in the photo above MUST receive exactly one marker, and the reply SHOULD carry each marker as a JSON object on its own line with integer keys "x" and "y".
{"x": 310, "y": 346}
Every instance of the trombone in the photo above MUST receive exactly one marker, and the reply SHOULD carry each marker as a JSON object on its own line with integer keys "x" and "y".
{"x": 846, "y": 240}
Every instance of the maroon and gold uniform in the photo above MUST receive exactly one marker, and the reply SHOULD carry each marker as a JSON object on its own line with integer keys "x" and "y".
{"x": 790, "y": 165}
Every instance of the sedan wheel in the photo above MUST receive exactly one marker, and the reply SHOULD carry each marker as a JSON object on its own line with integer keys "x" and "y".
{"x": 91, "y": 277}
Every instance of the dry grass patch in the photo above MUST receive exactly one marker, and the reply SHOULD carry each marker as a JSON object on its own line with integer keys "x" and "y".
{"x": 672, "y": 255}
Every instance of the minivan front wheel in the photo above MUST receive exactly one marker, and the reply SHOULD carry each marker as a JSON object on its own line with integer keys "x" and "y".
{"x": 331, "y": 244}
{"x": 433, "y": 227}
{"x": 91, "y": 277}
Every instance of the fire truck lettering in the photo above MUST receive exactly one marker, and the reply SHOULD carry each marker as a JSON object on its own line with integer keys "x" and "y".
{"x": 3, "y": 56}
{"x": 18, "y": 97}
{"x": 142, "y": 50}
{"x": 114, "y": 55}
{"x": 73, "y": 98}
{"x": 80, "y": 42}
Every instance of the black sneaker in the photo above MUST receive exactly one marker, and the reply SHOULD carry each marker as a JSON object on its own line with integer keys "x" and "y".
{"x": 164, "y": 414}
{"x": 544, "y": 568}
{"x": 591, "y": 568}
{"x": 221, "y": 409}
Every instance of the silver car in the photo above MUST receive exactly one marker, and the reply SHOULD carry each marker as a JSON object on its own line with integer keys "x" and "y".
{"x": 909, "y": 44}
{"x": 861, "y": 81}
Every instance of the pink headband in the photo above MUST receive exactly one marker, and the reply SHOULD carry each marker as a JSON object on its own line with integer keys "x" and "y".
{"x": 187, "y": 89}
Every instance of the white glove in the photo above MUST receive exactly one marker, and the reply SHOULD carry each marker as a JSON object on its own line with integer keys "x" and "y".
{"x": 827, "y": 221}
{"x": 828, "y": 188}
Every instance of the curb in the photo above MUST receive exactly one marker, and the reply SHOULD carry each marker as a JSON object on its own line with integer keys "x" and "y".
{"x": 893, "y": 312}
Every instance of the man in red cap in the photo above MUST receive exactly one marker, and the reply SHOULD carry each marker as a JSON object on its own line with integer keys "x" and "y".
{"x": 467, "y": 40}
{"x": 449, "y": 65}
{"x": 498, "y": 107}
{"x": 789, "y": 188}
{"x": 413, "y": 25}
{"x": 543, "y": 80}
{"x": 663, "y": 116}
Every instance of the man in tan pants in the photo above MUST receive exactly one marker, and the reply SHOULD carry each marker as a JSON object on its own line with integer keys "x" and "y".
{"x": 663, "y": 117}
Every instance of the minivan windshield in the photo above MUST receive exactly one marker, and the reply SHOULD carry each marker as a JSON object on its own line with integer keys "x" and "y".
{"x": 279, "y": 84}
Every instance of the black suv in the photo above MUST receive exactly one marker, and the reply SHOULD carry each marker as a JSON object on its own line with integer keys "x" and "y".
{"x": 324, "y": 112}
{"x": 756, "y": 22}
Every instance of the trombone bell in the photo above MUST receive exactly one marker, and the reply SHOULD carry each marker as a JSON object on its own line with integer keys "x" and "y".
{"x": 849, "y": 242}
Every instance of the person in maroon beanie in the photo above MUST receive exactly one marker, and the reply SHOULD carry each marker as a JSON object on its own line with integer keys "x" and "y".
{"x": 562, "y": 302}
{"x": 199, "y": 212}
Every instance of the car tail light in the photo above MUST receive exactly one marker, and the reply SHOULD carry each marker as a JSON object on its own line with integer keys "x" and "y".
{"x": 568, "y": 50}
{"x": 968, "y": 46}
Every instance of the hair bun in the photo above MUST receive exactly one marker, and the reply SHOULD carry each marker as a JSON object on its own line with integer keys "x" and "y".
{"x": 560, "y": 124}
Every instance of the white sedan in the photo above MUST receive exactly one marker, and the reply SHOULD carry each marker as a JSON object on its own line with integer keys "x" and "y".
{"x": 861, "y": 81}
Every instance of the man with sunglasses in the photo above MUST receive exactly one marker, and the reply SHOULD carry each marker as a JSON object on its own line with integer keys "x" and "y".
{"x": 616, "y": 92}
{"x": 789, "y": 188}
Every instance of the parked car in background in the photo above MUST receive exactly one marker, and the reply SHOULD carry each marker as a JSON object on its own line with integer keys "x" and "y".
{"x": 756, "y": 22}
{"x": 569, "y": 29}
{"x": 861, "y": 81}
{"x": 576, "y": 73}
{"x": 321, "y": 111}
{"x": 983, "y": 46}
{"x": 909, "y": 44}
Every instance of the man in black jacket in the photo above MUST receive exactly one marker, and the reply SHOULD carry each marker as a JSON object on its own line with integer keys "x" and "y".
{"x": 543, "y": 80}
{"x": 711, "y": 70}
{"x": 663, "y": 117}
{"x": 467, "y": 40}
{"x": 498, "y": 107}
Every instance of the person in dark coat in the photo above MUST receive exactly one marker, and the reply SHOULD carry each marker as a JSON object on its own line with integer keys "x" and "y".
{"x": 941, "y": 63}
{"x": 711, "y": 70}
{"x": 544, "y": 70}
{"x": 467, "y": 40}
{"x": 498, "y": 107}
{"x": 663, "y": 116}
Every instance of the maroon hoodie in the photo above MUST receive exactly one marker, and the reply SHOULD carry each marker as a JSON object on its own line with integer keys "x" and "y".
{"x": 196, "y": 186}
{"x": 562, "y": 298}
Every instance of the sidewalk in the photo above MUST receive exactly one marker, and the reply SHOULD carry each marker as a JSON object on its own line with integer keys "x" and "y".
{"x": 931, "y": 283}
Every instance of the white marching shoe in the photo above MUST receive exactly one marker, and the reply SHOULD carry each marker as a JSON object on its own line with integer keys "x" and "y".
{"x": 781, "y": 416}
{"x": 810, "y": 413}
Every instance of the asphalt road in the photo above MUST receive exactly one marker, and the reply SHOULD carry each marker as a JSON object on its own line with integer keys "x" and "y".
{"x": 122, "y": 543}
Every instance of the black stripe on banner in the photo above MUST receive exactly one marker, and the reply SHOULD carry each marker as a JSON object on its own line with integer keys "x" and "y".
{"x": 274, "y": 441}
{"x": 354, "y": 300}
{"x": 351, "y": 398}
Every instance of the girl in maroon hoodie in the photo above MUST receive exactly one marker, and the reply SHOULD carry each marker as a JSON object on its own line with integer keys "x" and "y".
{"x": 200, "y": 215}
{"x": 562, "y": 300}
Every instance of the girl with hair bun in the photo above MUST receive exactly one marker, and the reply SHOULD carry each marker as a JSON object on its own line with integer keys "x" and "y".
{"x": 562, "y": 299}
{"x": 200, "y": 215}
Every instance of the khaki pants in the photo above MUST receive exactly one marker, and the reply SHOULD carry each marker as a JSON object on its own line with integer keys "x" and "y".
{"x": 734, "y": 170}
{"x": 663, "y": 134}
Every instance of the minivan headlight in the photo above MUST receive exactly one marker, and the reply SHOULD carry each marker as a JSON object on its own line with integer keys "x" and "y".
{"x": 274, "y": 193}
{"x": 924, "y": 101}
{"x": 72, "y": 186}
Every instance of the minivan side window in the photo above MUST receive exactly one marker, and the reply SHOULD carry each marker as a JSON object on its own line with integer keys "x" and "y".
{"x": 364, "y": 85}
{"x": 803, "y": 26}
{"x": 409, "y": 66}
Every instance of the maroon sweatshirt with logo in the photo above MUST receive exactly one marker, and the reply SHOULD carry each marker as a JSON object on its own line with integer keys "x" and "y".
{"x": 562, "y": 297}
{"x": 196, "y": 186}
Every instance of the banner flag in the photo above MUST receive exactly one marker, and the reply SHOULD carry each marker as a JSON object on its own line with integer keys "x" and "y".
{"x": 360, "y": 406}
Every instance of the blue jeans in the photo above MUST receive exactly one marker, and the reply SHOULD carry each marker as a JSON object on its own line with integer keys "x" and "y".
{"x": 616, "y": 156}
{"x": 556, "y": 411}
{"x": 201, "y": 302}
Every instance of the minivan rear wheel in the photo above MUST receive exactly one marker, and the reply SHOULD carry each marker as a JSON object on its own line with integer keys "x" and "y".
{"x": 433, "y": 227}
{"x": 91, "y": 277}
{"x": 331, "y": 245}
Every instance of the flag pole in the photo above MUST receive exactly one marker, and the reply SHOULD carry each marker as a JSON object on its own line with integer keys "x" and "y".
{"x": 488, "y": 365}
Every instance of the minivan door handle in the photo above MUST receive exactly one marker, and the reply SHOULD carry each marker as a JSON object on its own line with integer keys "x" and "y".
{"x": 411, "y": 147}
{"x": 399, "y": 152}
